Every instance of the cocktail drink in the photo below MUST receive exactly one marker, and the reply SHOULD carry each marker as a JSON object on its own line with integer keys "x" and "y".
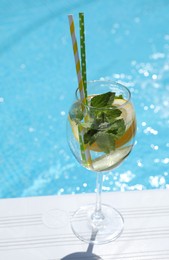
{"x": 101, "y": 134}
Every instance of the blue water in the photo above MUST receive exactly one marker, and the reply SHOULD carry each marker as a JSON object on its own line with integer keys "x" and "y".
{"x": 127, "y": 41}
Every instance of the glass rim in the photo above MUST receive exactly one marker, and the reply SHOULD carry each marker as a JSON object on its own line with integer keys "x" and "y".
{"x": 105, "y": 81}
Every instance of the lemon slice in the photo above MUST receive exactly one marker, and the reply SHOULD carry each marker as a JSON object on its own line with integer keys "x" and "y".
{"x": 74, "y": 127}
{"x": 128, "y": 116}
{"x": 111, "y": 160}
{"x": 126, "y": 109}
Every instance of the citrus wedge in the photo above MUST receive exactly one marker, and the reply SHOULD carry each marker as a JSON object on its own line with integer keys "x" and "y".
{"x": 111, "y": 160}
{"x": 128, "y": 115}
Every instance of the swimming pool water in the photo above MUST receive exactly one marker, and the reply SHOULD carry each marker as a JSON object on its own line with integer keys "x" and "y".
{"x": 127, "y": 41}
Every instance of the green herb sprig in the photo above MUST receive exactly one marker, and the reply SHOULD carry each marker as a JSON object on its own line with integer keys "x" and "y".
{"x": 104, "y": 125}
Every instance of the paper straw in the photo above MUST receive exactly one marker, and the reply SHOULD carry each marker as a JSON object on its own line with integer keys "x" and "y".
{"x": 85, "y": 153}
{"x": 83, "y": 52}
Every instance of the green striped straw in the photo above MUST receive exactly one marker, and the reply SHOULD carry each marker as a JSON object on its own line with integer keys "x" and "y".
{"x": 84, "y": 79}
{"x": 83, "y": 52}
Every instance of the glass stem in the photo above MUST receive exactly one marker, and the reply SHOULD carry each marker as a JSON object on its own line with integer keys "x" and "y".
{"x": 98, "y": 215}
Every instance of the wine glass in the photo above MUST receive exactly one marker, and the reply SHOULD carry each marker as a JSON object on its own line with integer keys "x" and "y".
{"x": 100, "y": 134}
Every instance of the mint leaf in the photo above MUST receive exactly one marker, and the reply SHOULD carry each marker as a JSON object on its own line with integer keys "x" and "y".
{"x": 105, "y": 135}
{"x": 101, "y": 116}
{"x": 76, "y": 113}
{"x": 103, "y": 100}
{"x": 103, "y": 126}
{"x": 119, "y": 97}
{"x": 90, "y": 136}
{"x": 105, "y": 141}
{"x": 102, "y": 109}
{"x": 117, "y": 128}
{"x": 111, "y": 114}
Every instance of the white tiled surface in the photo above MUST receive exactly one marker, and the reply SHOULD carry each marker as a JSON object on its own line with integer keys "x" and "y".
{"x": 24, "y": 236}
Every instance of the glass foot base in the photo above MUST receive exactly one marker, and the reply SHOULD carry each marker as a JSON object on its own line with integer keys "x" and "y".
{"x": 97, "y": 232}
